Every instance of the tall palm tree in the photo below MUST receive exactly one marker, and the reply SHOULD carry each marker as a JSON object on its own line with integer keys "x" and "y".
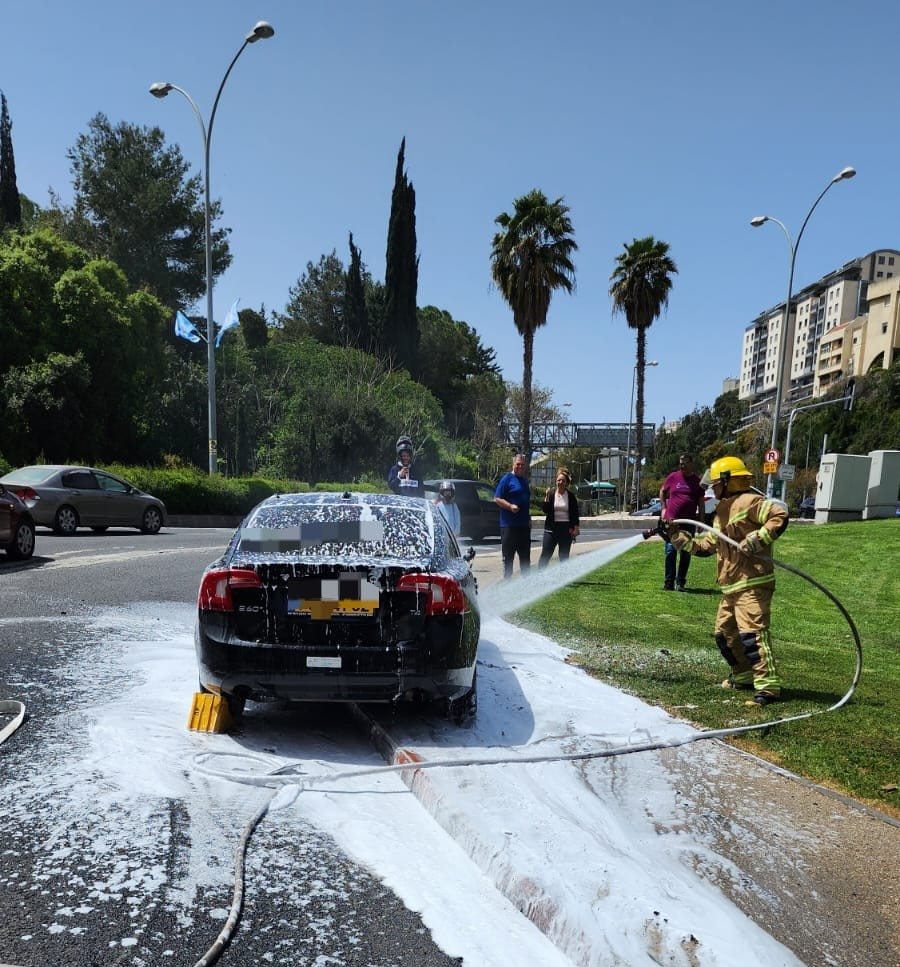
{"x": 640, "y": 288}
{"x": 531, "y": 256}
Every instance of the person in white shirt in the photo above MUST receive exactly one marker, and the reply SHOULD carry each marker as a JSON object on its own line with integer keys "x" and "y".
{"x": 561, "y": 526}
{"x": 446, "y": 503}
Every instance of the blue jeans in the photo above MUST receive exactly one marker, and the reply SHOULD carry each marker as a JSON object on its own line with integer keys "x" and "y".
{"x": 676, "y": 573}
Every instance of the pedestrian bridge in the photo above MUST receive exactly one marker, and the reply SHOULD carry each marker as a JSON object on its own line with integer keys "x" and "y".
{"x": 552, "y": 436}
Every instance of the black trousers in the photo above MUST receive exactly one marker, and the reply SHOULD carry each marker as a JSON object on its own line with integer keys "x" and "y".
{"x": 559, "y": 537}
{"x": 515, "y": 541}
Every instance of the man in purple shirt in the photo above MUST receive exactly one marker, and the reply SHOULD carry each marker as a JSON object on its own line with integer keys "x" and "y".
{"x": 681, "y": 497}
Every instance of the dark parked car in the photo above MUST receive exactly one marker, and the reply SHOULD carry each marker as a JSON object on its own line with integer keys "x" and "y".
{"x": 479, "y": 515}
{"x": 808, "y": 507}
{"x": 16, "y": 526}
{"x": 340, "y": 597}
{"x": 66, "y": 498}
{"x": 651, "y": 510}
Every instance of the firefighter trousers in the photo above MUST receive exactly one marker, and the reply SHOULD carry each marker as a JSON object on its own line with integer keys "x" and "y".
{"x": 742, "y": 634}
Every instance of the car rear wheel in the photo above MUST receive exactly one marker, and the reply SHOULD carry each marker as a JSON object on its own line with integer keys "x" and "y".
{"x": 22, "y": 546}
{"x": 235, "y": 704}
{"x": 464, "y": 708}
{"x": 66, "y": 521}
{"x": 151, "y": 521}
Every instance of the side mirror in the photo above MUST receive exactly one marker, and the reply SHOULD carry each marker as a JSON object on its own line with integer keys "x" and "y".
{"x": 469, "y": 556}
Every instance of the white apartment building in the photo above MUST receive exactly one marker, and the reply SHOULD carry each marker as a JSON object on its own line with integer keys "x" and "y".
{"x": 839, "y": 326}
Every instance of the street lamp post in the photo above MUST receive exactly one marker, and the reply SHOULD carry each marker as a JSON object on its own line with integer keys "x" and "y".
{"x": 635, "y": 477}
{"x": 758, "y": 220}
{"x": 261, "y": 31}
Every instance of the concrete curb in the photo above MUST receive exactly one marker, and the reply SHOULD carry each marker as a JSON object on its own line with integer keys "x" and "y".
{"x": 526, "y": 893}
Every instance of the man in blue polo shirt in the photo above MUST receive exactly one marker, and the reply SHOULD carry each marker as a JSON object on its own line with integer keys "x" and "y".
{"x": 513, "y": 497}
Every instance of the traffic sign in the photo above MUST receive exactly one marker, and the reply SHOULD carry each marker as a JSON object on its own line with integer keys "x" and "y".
{"x": 786, "y": 471}
{"x": 770, "y": 467}
{"x": 772, "y": 456}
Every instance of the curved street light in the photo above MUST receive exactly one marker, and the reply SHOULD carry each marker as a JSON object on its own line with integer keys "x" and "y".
{"x": 843, "y": 175}
{"x": 261, "y": 31}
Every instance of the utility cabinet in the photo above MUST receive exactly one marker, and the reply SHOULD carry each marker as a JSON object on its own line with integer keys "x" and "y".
{"x": 884, "y": 484}
{"x": 842, "y": 485}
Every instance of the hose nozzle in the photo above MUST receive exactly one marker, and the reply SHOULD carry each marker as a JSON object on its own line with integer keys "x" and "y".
{"x": 661, "y": 530}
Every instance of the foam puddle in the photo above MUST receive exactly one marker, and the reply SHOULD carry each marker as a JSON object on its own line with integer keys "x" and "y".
{"x": 506, "y": 596}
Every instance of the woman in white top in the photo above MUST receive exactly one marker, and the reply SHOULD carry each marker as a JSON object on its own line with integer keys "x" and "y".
{"x": 560, "y": 508}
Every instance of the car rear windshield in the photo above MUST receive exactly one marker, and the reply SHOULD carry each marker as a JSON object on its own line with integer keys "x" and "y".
{"x": 28, "y": 475}
{"x": 338, "y": 533}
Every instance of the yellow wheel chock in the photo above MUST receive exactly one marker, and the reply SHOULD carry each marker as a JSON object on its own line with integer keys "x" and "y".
{"x": 209, "y": 713}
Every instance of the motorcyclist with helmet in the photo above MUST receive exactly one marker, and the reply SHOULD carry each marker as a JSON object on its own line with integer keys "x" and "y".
{"x": 746, "y": 576}
{"x": 402, "y": 477}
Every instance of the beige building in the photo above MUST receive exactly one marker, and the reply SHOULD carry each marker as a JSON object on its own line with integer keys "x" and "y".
{"x": 840, "y": 326}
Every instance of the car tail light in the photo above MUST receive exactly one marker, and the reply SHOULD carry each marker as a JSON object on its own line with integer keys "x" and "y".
{"x": 216, "y": 588}
{"x": 26, "y": 493}
{"x": 443, "y": 594}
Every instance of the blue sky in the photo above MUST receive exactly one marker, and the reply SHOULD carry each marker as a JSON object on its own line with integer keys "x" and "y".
{"x": 680, "y": 121}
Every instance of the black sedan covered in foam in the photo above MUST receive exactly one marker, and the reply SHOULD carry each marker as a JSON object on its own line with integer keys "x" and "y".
{"x": 340, "y": 597}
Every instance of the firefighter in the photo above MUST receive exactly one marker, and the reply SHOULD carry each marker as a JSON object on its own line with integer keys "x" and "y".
{"x": 746, "y": 576}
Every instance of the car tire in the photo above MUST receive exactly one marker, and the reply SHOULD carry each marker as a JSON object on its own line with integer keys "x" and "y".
{"x": 66, "y": 521}
{"x": 235, "y": 704}
{"x": 151, "y": 522}
{"x": 465, "y": 707}
{"x": 22, "y": 546}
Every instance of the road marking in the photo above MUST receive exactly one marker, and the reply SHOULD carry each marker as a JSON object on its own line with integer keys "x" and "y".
{"x": 88, "y": 560}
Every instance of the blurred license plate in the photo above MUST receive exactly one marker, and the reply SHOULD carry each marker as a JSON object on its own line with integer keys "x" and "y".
{"x": 322, "y": 661}
{"x": 346, "y": 598}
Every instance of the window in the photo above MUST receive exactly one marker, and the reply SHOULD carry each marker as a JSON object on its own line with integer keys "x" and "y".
{"x": 890, "y": 260}
{"x": 879, "y": 275}
{"x": 881, "y": 260}
{"x": 81, "y": 480}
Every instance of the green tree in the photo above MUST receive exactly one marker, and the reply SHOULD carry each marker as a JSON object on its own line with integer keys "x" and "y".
{"x": 316, "y": 303}
{"x": 641, "y": 282}
{"x": 10, "y": 204}
{"x": 254, "y": 328}
{"x": 78, "y": 341}
{"x": 355, "y": 310}
{"x": 451, "y": 355}
{"x": 531, "y": 257}
{"x": 400, "y": 328}
{"x": 135, "y": 205}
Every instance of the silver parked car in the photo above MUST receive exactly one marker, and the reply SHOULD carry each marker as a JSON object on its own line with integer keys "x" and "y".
{"x": 66, "y": 498}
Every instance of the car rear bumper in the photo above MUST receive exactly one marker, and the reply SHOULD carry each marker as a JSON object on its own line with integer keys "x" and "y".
{"x": 386, "y": 673}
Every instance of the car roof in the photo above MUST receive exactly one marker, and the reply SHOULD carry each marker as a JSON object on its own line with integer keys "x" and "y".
{"x": 455, "y": 480}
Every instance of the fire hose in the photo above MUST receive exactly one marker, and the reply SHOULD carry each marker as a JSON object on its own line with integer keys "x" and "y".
{"x": 292, "y": 774}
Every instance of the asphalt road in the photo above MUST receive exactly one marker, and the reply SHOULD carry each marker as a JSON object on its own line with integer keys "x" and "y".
{"x": 48, "y": 605}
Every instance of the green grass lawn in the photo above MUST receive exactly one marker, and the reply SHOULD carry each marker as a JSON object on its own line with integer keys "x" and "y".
{"x": 658, "y": 645}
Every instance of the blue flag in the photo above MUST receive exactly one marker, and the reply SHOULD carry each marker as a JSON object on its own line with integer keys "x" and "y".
{"x": 185, "y": 328}
{"x": 231, "y": 320}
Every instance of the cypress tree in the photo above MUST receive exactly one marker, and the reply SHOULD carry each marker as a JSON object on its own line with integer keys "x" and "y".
{"x": 356, "y": 314}
{"x": 10, "y": 204}
{"x": 400, "y": 334}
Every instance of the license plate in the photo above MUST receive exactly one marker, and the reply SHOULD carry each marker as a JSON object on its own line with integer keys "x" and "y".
{"x": 322, "y": 661}
{"x": 345, "y": 598}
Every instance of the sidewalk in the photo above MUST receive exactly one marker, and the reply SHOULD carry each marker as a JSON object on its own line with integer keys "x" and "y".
{"x": 817, "y": 872}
